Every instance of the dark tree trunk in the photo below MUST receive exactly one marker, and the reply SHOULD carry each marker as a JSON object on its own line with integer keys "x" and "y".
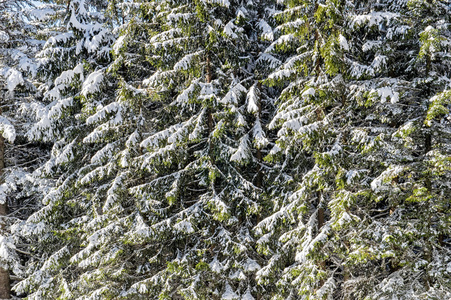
{"x": 5, "y": 288}
{"x": 259, "y": 179}
{"x": 210, "y": 123}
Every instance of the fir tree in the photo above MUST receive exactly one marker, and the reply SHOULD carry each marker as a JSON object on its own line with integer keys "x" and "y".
{"x": 20, "y": 31}
{"x": 115, "y": 207}
{"x": 412, "y": 184}
{"x": 164, "y": 168}
{"x": 201, "y": 179}
{"x": 358, "y": 218}
{"x": 71, "y": 70}
{"x": 308, "y": 150}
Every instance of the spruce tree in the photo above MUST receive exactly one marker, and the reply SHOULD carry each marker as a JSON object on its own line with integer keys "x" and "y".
{"x": 71, "y": 67}
{"x": 363, "y": 212}
{"x": 20, "y": 33}
{"x": 413, "y": 183}
{"x": 164, "y": 168}
{"x": 201, "y": 175}
{"x": 308, "y": 151}
{"x": 157, "y": 188}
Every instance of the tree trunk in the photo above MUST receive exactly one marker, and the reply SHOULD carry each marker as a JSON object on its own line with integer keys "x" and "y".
{"x": 259, "y": 179}
{"x": 259, "y": 155}
{"x": 208, "y": 79}
{"x": 208, "y": 75}
{"x": 5, "y": 288}
{"x": 318, "y": 59}
{"x": 427, "y": 148}
{"x": 346, "y": 277}
{"x": 428, "y": 64}
{"x": 320, "y": 223}
{"x": 210, "y": 123}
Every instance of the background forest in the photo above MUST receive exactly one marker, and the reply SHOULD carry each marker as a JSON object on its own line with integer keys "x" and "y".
{"x": 222, "y": 149}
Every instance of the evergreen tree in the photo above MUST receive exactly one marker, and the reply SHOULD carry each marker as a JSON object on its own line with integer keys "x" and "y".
{"x": 308, "y": 153}
{"x": 412, "y": 184}
{"x": 163, "y": 170}
{"x": 198, "y": 195}
{"x": 184, "y": 198}
{"x": 20, "y": 31}
{"x": 71, "y": 70}
{"x": 358, "y": 214}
